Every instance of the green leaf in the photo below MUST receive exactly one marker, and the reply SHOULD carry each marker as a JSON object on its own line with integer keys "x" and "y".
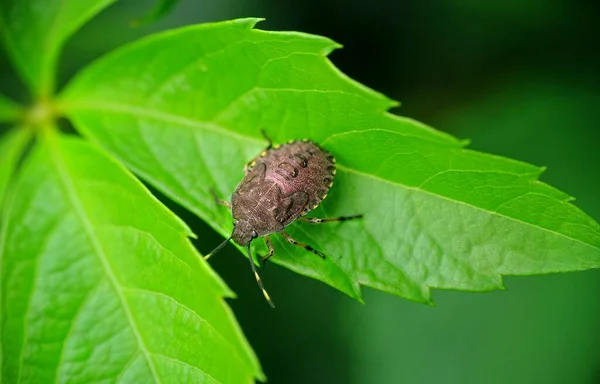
{"x": 9, "y": 110}
{"x": 100, "y": 282}
{"x": 184, "y": 109}
{"x": 12, "y": 145}
{"x": 34, "y": 32}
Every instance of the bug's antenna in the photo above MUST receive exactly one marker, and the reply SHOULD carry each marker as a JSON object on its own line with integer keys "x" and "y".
{"x": 218, "y": 248}
{"x": 258, "y": 280}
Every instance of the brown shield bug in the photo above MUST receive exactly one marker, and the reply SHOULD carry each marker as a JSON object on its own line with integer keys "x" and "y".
{"x": 281, "y": 185}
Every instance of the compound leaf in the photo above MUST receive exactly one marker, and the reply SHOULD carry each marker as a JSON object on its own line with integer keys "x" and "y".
{"x": 34, "y": 32}
{"x": 184, "y": 109}
{"x": 100, "y": 282}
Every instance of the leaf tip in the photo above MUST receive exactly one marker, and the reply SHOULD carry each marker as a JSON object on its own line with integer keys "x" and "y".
{"x": 355, "y": 291}
{"x": 248, "y": 22}
{"x": 465, "y": 143}
{"x": 393, "y": 104}
{"x": 425, "y": 297}
{"x": 229, "y": 294}
{"x": 500, "y": 286}
{"x": 332, "y": 46}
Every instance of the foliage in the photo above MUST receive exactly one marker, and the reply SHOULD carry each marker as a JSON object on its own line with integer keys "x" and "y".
{"x": 92, "y": 263}
{"x": 436, "y": 215}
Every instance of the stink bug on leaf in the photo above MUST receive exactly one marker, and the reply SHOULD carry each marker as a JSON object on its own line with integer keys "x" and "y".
{"x": 281, "y": 185}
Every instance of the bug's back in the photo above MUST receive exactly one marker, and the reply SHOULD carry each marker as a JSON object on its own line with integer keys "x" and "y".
{"x": 282, "y": 184}
{"x": 301, "y": 166}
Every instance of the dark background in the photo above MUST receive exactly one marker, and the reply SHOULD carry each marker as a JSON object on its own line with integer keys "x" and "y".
{"x": 519, "y": 78}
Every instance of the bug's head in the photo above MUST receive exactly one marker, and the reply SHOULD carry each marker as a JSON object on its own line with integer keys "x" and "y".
{"x": 243, "y": 232}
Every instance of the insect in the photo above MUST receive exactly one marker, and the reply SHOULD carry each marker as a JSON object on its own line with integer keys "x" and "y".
{"x": 281, "y": 185}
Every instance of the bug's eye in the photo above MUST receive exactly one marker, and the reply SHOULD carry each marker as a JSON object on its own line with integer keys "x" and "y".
{"x": 254, "y": 234}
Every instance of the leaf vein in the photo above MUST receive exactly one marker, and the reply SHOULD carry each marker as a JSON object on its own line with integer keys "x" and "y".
{"x": 188, "y": 309}
{"x": 70, "y": 331}
{"x": 99, "y": 251}
{"x": 193, "y": 367}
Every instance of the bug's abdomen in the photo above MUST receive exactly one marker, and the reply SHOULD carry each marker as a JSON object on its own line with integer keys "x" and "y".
{"x": 300, "y": 166}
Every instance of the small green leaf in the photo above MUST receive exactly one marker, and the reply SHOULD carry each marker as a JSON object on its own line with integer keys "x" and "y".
{"x": 34, "y": 32}
{"x": 100, "y": 282}
{"x": 184, "y": 110}
{"x": 9, "y": 110}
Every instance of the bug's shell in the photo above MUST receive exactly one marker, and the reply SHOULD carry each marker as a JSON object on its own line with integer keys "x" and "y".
{"x": 300, "y": 166}
{"x": 283, "y": 183}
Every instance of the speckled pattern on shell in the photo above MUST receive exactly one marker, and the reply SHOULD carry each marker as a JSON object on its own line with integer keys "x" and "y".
{"x": 283, "y": 183}
{"x": 300, "y": 166}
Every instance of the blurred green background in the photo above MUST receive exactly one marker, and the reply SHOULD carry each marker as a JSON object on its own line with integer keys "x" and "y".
{"x": 519, "y": 78}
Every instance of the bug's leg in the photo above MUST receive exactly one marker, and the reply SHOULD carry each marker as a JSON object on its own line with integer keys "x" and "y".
{"x": 264, "y": 259}
{"x": 314, "y": 220}
{"x": 301, "y": 245}
{"x": 258, "y": 279}
{"x": 218, "y": 200}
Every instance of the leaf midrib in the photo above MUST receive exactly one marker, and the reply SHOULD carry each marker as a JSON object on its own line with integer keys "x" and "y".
{"x": 99, "y": 251}
{"x": 214, "y": 127}
{"x": 50, "y": 43}
{"x": 375, "y": 177}
{"x": 142, "y": 111}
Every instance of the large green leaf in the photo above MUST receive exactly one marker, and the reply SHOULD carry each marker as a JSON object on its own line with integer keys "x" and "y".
{"x": 34, "y": 32}
{"x": 183, "y": 109}
{"x": 100, "y": 282}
